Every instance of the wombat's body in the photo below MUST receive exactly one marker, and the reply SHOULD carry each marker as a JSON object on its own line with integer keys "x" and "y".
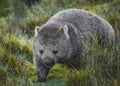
{"x": 66, "y": 35}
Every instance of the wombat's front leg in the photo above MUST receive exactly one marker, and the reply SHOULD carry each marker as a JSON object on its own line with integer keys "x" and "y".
{"x": 42, "y": 73}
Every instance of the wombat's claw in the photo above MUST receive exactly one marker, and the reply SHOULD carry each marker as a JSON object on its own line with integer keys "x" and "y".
{"x": 34, "y": 81}
{"x": 38, "y": 81}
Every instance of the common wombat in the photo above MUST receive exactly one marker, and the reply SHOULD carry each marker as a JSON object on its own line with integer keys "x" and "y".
{"x": 61, "y": 39}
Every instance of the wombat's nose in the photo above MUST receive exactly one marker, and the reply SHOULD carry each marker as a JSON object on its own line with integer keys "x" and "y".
{"x": 48, "y": 62}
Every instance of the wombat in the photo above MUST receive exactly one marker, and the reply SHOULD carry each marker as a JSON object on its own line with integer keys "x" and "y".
{"x": 65, "y": 36}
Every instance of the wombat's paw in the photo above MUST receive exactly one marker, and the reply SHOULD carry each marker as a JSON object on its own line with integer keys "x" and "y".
{"x": 39, "y": 81}
{"x": 34, "y": 81}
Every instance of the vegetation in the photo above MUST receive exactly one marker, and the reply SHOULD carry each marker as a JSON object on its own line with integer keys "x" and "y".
{"x": 17, "y": 22}
{"x": 4, "y": 7}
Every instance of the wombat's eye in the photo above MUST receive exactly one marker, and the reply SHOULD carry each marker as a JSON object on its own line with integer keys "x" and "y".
{"x": 41, "y": 51}
{"x": 55, "y": 51}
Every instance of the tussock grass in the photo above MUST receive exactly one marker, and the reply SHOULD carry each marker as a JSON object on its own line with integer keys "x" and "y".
{"x": 101, "y": 67}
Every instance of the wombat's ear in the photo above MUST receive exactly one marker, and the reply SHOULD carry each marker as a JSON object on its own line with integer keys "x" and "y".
{"x": 37, "y": 29}
{"x": 65, "y": 29}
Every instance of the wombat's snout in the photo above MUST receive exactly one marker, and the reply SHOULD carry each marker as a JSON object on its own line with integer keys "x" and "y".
{"x": 48, "y": 62}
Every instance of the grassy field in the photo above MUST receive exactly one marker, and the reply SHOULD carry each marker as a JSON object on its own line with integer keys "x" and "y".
{"x": 17, "y": 22}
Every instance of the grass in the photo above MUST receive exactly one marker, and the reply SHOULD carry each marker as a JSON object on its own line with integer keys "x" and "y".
{"x": 4, "y": 7}
{"x": 99, "y": 68}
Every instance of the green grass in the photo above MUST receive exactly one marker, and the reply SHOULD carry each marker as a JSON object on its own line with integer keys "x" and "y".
{"x": 99, "y": 68}
{"x": 4, "y": 7}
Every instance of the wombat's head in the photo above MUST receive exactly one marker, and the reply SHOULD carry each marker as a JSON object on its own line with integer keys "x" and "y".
{"x": 51, "y": 44}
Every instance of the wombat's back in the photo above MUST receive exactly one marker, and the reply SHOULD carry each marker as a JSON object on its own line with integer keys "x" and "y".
{"x": 86, "y": 23}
